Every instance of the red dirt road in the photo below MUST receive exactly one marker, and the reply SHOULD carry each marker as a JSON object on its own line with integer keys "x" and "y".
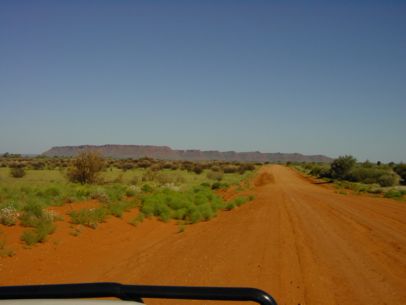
{"x": 299, "y": 241}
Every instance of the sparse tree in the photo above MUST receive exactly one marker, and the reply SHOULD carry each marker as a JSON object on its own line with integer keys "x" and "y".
{"x": 86, "y": 167}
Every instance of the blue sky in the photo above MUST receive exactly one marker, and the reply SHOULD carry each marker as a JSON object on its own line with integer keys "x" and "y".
{"x": 315, "y": 77}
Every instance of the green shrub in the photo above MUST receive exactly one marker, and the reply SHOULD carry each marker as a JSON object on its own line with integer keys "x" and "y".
{"x": 355, "y": 186}
{"x": 117, "y": 209}
{"x": 240, "y": 200}
{"x": 44, "y": 229}
{"x": 147, "y": 188}
{"x": 116, "y": 192}
{"x": 388, "y": 179}
{"x": 395, "y": 194}
{"x": 32, "y": 215}
{"x": 194, "y": 205}
{"x": 138, "y": 219}
{"x": 89, "y": 217}
{"x": 130, "y": 192}
{"x": 341, "y": 167}
{"x": 29, "y": 237}
{"x": 321, "y": 171}
{"x": 52, "y": 192}
{"x": 164, "y": 178}
{"x": 370, "y": 174}
{"x": 230, "y": 206}
{"x": 39, "y": 234}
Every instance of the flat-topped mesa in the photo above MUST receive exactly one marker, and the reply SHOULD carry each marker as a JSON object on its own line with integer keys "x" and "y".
{"x": 167, "y": 153}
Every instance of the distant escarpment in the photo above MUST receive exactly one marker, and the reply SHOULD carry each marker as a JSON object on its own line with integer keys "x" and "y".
{"x": 167, "y": 153}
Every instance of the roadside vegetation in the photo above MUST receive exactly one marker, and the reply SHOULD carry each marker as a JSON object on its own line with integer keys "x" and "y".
{"x": 180, "y": 190}
{"x": 345, "y": 172}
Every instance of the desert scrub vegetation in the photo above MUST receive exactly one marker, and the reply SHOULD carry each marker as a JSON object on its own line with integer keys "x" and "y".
{"x": 361, "y": 177}
{"x": 17, "y": 172}
{"x": 117, "y": 186}
{"x": 238, "y": 201}
{"x": 8, "y": 215}
{"x": 192, "y": 206}
{"x": 197, "y": 204}
{"x": 137, "y": 219}
{"x": 40, "y": 222}
{"x": 89, "y": 217}
{"x": 395, "y": 194}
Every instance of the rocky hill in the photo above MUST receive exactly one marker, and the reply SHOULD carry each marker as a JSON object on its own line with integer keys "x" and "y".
{"x": 167, "y": 153}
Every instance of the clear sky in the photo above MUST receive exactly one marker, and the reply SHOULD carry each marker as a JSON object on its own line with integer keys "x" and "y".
{"x": 315, "y": 77}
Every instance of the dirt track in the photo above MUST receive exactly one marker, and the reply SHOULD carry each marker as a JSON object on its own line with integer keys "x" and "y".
{"x": 299, "y": 241}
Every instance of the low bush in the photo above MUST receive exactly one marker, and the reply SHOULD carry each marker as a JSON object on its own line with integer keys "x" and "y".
{"x": 198, "y": 169}
{"x": 29, "y": 237}
{"x": 370, "y": 175}
{"x": 147, "y": 188}
{"x": 8, "y": 215}
{"x": 33, "y": 215}
{"x": 197, "y": 204}
{"x": 131, "y": 191}
{"x": 17, "y": 172}
{"x": 320, "y": 171}
{"x": 240, "y": 200}
{"x": 395, "y": 194}
{"x": 89, "y": 217}
{"x": 230, "y": 169}
{"x": 219, "y": 185}
{"x": 215, "y": 175}
{"x": 230, "y": 206}
{"x": 355, "y": 186}
{"x": 138, "y": 219}
{"x": 38, "y": 165}
{"x": 247, "y": 167}
{"x": 100, "y": 195}
{"x": 149, "y": 175}
{"x": 39, "y": 234}
{"x": 388, "y": 179}
{"x": 346, "y": 169}
{"x": 117, "y": 209}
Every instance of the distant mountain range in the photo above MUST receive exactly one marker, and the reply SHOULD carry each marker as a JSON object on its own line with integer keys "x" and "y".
{"x": 167, "y": 153}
